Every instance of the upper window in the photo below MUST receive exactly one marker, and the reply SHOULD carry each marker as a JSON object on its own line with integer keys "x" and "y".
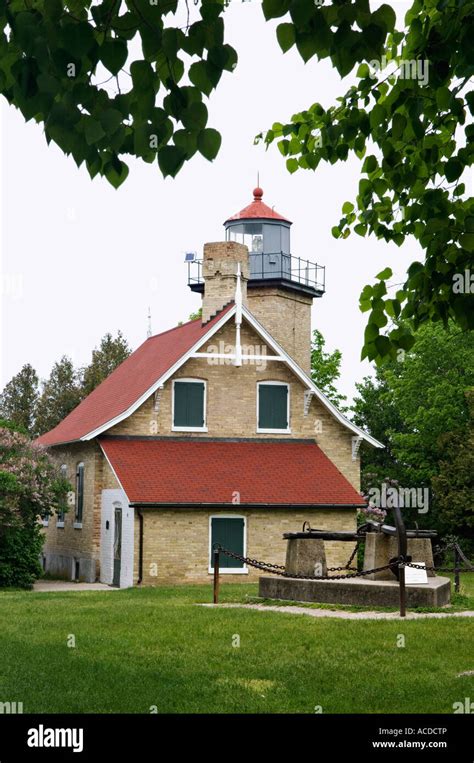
{"x": 189, "y": 405}
{"x": 273, "y": 407}
{"x": 79, "y": 493}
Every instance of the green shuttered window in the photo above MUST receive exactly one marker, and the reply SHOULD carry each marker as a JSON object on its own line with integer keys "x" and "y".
{"x": 189, "y": 404}
{"x": 229, "y": 532}
{"x": 273, "y": 406}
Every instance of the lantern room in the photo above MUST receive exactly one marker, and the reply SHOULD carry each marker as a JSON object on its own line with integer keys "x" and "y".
{"x": 266, "y": 234}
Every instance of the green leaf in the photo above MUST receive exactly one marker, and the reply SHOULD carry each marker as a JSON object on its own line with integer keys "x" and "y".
{"x": 209, "y": 143}
{"x": 195, "y": 116}
{"x": 170, "y": 160}
{"x": 204, "y": 75}
{"x": 370, "y": 164}
{"x": 272, "y": 9}
{"x": 93, "y": 131}
{"x": 467, "y": 241}
{"x": 347, "y": 207}
{"x": 453, "y": 169}
{"x": 142, "y": 75}
{"x": 384, "y": 274}
{"x": 443, "y": 98}
{"x": 116, "y": 172}
{"x": 110, "y": 119}
{"x": 113, "y": 54}
{"x": 285, "y": 36}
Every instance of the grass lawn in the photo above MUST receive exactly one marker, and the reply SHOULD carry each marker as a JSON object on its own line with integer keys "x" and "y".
{"x": 153, "y": 647}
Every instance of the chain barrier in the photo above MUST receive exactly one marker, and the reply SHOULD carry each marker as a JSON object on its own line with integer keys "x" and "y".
{"x": 280, "y": 569}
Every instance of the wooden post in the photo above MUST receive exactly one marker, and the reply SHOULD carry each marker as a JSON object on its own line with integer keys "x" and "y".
{"x": 216, "y": 576}
{"x": 402, "y": 552}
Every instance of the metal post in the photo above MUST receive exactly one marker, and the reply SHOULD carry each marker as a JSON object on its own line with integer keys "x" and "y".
{"x": 456, "y": 569}
{"x": 402, "y": 553}
{"x": 216, "y": 576}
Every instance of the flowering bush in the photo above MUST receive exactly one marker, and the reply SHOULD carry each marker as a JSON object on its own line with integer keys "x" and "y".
{"x": 31, "y": 487}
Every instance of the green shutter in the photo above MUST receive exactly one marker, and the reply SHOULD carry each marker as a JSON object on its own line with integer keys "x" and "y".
{"x": 273, "y": 406}
{"x": 229, "y": 532}
{"x": 188, "y": 404}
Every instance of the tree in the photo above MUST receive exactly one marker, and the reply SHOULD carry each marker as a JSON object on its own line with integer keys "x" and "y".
{"x": 60, "y": 394}
{"x": 417, "y": 117}
{"x": 325, "y": 369}
{"x": 416, "y": 407}
{"x": 31, "y": 487}
{"x": 413, "y": 105}
{"x": 454, "y": 483}
{"x": 105, "y": 359}
{"x": 19, "y": 399}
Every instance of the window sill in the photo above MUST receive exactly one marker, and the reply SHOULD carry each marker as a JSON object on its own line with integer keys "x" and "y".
{"x": 59, "y": 524}
{"x": 45, "y": 524}
{"x": 273, "y": 431}
{"x": 189, "y": 429}
{"x": 230, "y": 571}
{"x": 77, "y": 525}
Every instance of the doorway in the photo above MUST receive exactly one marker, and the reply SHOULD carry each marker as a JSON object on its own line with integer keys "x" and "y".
{"x": 117, "y": 545}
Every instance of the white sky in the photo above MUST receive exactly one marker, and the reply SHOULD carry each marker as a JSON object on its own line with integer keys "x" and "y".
{"x": 80, "y": 259}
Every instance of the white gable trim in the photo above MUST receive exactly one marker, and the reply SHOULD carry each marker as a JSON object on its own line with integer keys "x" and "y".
{"x": 162, "y": 379}
{"x": 263, "y": 333}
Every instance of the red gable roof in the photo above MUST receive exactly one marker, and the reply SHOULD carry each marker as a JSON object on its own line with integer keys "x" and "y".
{"x": 130, "y": 380}
{"x": 257, "y": 209}
{"x": 178, "y": 471}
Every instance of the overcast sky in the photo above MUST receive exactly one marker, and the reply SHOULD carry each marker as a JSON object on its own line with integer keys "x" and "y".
{"x": 80, "y": 259}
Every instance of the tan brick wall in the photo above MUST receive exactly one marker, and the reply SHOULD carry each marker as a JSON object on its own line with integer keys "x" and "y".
{"x": 287, "y": 317}
{"x": 232, "y": 405}
{"x": 219, "y": 270}
{"x": 70, "y": 540}
{"x": 176, "y": 543}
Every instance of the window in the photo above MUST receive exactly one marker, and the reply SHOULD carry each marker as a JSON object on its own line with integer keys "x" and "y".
{"x": 230, "y": 532}
{"x": 79, "y": 495}
{"x": 189, "y": 405}
{"x": 60, "y": 514}
{"x": 273, "y": 407}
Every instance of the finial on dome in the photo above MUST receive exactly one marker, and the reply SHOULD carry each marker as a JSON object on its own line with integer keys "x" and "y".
{"x": 257, "y": 194}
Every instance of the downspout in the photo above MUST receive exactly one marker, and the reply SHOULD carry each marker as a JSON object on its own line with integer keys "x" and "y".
{"x": 140, "y": 548}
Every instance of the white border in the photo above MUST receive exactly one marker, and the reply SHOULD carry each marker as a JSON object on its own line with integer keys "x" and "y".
{"x": 228, "y": 570}
{"x": 192, "y": 380}
{"x": 276, "y": 384}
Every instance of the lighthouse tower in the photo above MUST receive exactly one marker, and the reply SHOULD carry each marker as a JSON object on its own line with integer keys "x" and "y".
{"x": 279, "y": 287}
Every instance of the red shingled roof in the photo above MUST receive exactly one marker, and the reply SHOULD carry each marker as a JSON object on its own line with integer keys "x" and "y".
{"x": 130, "y": 380}
{"x": 257, "y": 209}
{"x": 171, "y": 471}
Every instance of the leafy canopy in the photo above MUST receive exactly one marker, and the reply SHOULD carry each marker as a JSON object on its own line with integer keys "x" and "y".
{"x": 411, "y": 128}
{"x": 52, "y": 52}
{"x": 409, "y": 121}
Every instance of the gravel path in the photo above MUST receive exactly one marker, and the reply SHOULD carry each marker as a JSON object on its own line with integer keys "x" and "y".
{"x": 48, "y": 586}
{"x": 339, "y": 614}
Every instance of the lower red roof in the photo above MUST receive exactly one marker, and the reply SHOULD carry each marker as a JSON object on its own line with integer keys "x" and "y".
{"x": 226, "y": 472}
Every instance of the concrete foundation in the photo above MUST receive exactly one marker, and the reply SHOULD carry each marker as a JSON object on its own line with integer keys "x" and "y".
{"x": 305, "y": 557}
{"x": 380, "y": 548}
{"x": 359, "y": 591}
{"x": 67, "y": 567}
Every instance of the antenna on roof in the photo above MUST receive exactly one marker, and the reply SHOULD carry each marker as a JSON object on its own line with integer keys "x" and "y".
{"x": 148, "y": 332}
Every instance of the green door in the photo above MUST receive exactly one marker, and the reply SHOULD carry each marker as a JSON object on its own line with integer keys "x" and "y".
{"x": 229, "y": 532}
{"x": 117, "y": 546}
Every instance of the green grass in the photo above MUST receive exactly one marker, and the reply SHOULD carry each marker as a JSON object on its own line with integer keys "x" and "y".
{"x": 140, "y": 648}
